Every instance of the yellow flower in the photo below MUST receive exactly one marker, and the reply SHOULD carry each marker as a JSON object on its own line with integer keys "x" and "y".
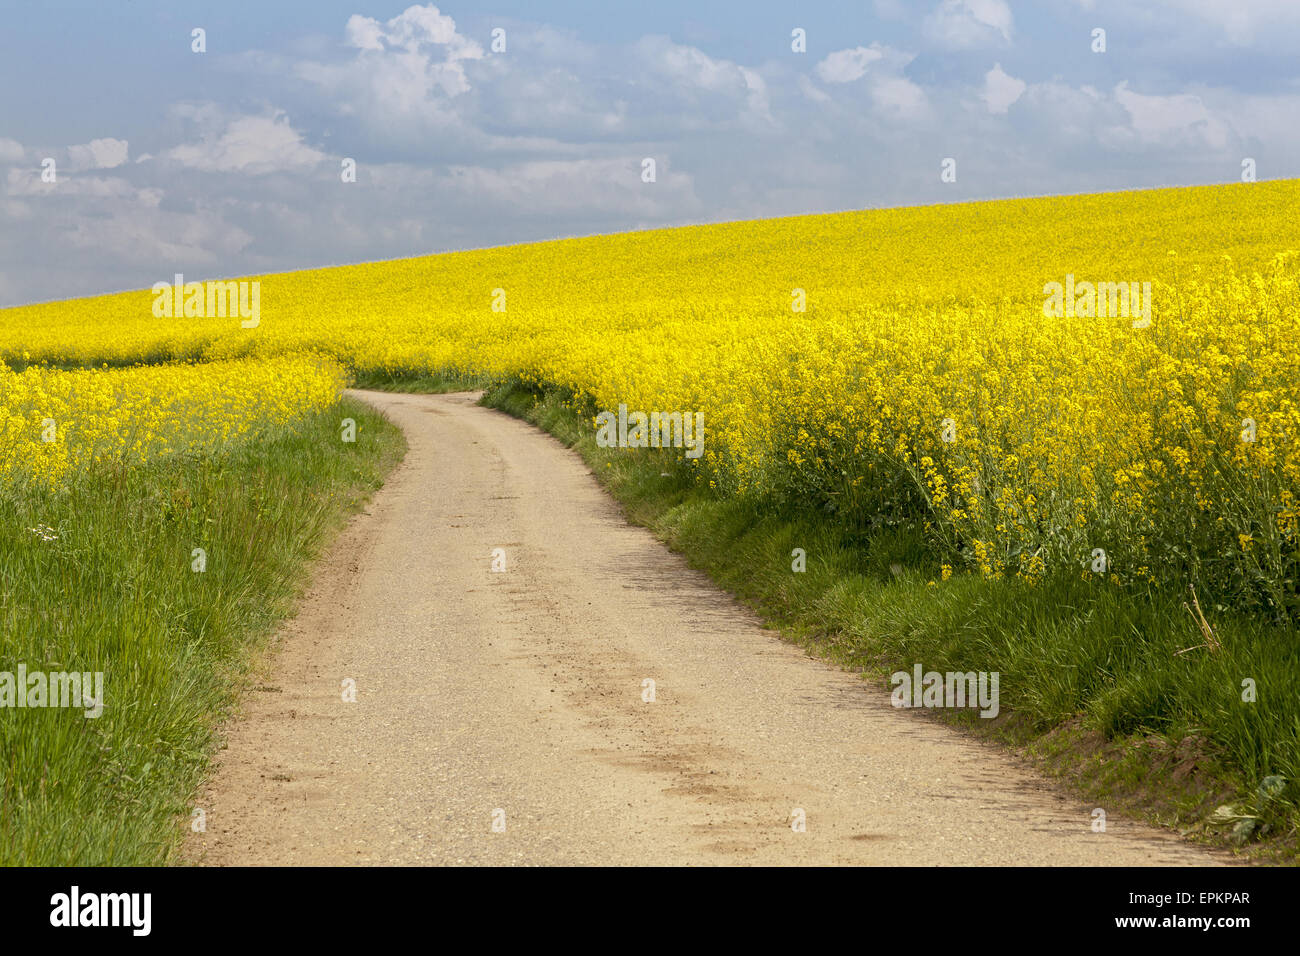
{"x": 1067, "y": 433}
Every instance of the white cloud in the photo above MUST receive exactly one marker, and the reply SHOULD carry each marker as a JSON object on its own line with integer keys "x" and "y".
{"x": 899, "y": 95}
{"x": 1073, "y": 118}
{"x": 11, "y": 151}
{"x": 364, "y": 33}
{"x": 23, "y": 182}
{"x": 890, "y": 91}
{"x": 1001, "y": 89}
{"x": 727, "y": 87}
{"x": 1171, "y": 120}
{"x": 964, "y": 24}
{"x": 413, "y": 28}
{"x": 98, "y": 154}
{"x": 808, "y": 89}
{"x": 690, "y": 65}
{"x": 16, "y": 210}
{"x": 248, "y": 144}
{"x": 582, "y": 187}
{"x": 461, "y": 148}
{"x": 757, "y": 98}
{"x": 845, "y": 66}
{"x": 154, "y": 236}
{"x": 409, "y": 66}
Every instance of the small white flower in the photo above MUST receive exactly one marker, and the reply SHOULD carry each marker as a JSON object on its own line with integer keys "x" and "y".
{"x": 44, "y": 532}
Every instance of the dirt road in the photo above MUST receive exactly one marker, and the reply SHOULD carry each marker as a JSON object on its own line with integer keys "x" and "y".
{"x": 515, "y": 698}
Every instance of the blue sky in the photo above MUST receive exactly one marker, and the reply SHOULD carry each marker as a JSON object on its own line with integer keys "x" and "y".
{"x": 228, "y": 162}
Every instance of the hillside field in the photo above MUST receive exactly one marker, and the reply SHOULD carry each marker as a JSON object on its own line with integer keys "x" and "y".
{"x": 1051, "y": 421}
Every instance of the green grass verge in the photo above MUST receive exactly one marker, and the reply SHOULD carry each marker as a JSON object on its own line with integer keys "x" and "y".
{"x": 115, "y": 592}
{"x": 427, "y": 383}
{"x": 1093, "y": 687}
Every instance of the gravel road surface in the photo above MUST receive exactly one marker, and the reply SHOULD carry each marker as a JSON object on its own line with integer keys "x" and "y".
{"x": 514, "y": 699}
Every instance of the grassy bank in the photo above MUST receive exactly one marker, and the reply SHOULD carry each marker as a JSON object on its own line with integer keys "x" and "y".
{"x": 107, "y": 583}
{"x": 424, "y": 383}
{"x": 1122, "y": 696}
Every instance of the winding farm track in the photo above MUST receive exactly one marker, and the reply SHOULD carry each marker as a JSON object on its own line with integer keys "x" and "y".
{"x": 521, "y": 691}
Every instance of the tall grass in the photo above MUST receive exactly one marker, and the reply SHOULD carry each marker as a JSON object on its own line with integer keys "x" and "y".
{"x": 1117, "y": 687}
{"x": 115, "y": 592}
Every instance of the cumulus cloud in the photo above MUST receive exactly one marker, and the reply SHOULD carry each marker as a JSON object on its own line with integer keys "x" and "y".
{"x": 899, "y": 96}
{"x": 161, "y": 237}
{"x": 1077, "y": 115}
{"x": 721, "y": 87}
{"x": 880, "y": 70}
{"x": 409, "y": 65}
{"x": 845, "y": 66}
{"x": 1172, "y": 120}
{"x": 98, "y": 154}
{"x": 1001, "y": 89}
{"x": 460, "y": 147}
{"x": 92, "y": 232}
{"x": 810, "y": 90}
{"x": 414, "y": 28}
{"x": 582, "y": 187}
{"x": 254, "y": 145}
{"x": 22, "y": 182}
{"x": 966, "y": 24}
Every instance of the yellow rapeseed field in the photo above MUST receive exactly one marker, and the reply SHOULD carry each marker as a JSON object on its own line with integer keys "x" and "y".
{"x": 55, "y": 423}
{"x": 904, "y": 365}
